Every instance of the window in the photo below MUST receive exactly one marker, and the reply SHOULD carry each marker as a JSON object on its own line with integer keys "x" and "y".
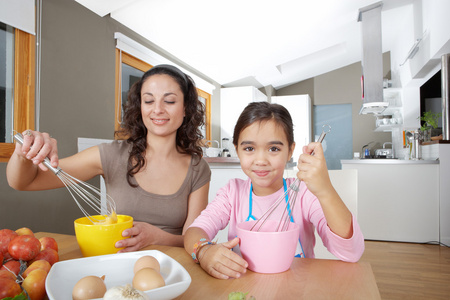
{"x": 130, "y": 69}
{"x": 205, "y": 98}
{"x": 17, "y": 85}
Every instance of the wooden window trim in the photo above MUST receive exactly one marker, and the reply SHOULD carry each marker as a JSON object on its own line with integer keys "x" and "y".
{"x": 24, "y": 87}
{"x": 207, "y": 98}
{"x": 123, "y": 57}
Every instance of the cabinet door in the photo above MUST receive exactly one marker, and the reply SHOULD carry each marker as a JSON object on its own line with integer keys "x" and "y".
{"x": 299, "y": 106}
{"x": 232, "y": 103}
{"x": 219, "y": 178}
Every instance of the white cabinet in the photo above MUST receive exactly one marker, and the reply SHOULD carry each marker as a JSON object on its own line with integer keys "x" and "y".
{"x": 397, "y": 201}
{"x": 232, "y": 103}
{"x": 220, "y": 175}
{"x": 299, "y": 106}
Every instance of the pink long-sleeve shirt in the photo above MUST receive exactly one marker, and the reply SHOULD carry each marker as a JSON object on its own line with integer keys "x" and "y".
{"x": 231, "y": 207}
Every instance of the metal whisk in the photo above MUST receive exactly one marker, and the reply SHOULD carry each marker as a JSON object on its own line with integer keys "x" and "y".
{"x": 288, "y": 198}
{"x": 83, "y": 192}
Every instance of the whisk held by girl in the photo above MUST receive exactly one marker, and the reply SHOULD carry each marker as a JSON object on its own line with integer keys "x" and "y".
{"x": 264, "y": 141}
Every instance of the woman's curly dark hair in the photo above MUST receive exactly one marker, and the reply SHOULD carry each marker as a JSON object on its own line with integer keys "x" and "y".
{"x": 188, "y": 135}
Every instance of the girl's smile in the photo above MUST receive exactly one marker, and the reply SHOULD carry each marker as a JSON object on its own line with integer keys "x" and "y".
{"x": 263, "y": 150}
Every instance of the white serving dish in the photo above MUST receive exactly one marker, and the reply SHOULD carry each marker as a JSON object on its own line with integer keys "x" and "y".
{"x": 118, "y": 270}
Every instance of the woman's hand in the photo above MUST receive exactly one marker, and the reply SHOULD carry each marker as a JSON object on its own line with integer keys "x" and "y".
{"x": 313, "y": 170}
{"x": 36, "y": 147}
{"x": 220, "y": 262}
{"x": 141, "y": 235}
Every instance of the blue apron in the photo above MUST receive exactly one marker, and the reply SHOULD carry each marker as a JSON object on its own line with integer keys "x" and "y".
{"x": 299, "y": 251}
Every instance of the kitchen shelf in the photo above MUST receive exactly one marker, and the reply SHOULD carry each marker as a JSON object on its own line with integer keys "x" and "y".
{"x": 387, "y": 128}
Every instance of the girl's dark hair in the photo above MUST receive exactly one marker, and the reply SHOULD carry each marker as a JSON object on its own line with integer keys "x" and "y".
{"x": 265, "y": 111}
{"x": 188, "y": 135}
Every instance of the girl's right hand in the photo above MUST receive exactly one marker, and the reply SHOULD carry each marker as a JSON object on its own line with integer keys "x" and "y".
{"x": 220, "y": 262}
{"x": 36, "y": 147}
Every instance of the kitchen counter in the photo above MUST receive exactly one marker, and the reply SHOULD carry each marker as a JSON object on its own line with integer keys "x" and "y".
{"x": 385, "y": 161}
{"x": 398, "y": 200}
{"x": 233, "y": 163}
{"x": 222, "y": 160}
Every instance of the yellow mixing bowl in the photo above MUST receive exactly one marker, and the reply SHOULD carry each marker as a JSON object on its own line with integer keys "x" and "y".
{"x": 100, "y": 239}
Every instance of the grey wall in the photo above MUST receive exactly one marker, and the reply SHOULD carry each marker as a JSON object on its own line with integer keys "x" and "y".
{"x": 77, "y": 100}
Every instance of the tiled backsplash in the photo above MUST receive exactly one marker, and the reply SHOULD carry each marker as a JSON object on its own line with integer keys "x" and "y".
{"x": 430, "y": 152}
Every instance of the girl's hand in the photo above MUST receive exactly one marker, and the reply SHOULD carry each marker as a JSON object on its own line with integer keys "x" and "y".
{"x": 220, "y": 262}
{"x": 313, "y": 170}
{"x": 141, "y": 235}
{"x": 36, "y": 147}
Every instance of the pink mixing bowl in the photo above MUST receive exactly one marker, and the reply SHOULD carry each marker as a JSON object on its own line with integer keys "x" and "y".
{"x": 268, "y": 251}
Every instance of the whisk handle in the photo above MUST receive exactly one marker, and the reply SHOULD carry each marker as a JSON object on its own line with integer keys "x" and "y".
{"x": 19, "y": 138}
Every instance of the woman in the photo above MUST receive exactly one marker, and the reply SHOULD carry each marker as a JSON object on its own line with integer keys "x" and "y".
{"x": 157, "y": 175}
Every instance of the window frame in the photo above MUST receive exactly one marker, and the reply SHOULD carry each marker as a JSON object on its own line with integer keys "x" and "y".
{"x": 207, "y": 98}
{"x": 24, "y": 88}
{"x": 128, "y": 59}
{"x": 123, "y": 57}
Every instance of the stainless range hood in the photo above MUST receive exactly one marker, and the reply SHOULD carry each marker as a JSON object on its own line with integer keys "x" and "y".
{"x": 372, "y": 60}
{"x": 373, "y": 108}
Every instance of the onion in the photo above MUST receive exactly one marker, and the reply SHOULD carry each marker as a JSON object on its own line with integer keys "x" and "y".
{"x": 126, "y": 292}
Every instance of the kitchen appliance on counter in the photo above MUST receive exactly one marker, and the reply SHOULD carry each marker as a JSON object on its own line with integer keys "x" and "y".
{"x": 226, "y": 147}
{"x": 366, "y": 151}
{"x": 385, "y": 152}
{"x": 414, "y": 142}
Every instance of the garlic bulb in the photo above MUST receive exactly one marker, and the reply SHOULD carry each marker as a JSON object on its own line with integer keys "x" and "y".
{"x": 126, "y": 292}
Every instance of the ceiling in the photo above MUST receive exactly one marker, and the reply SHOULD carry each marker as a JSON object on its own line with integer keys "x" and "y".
{"x": 256, "y": 42}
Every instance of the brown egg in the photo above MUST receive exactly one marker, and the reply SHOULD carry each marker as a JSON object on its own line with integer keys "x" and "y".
{"x": 146, "y": 262}
{"x": 147, "y": 279}
{"x": 89, "y": 287}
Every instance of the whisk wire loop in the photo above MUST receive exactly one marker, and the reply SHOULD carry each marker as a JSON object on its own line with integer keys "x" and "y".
{"x": 82, "y": 192}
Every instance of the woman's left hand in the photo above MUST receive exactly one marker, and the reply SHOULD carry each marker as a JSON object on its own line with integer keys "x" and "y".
{"x": 313, "y": 169}
{"x": 141, "y": 235}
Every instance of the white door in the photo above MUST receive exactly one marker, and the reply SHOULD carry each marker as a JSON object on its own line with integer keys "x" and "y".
{"x": 232, "y": 103}
{"x": 299, "y": 106}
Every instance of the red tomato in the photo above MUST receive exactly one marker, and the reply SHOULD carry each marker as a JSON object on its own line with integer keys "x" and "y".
{"x": 6, "y": 235}
{"x": 24, "y": 247}
{"x": 1, "y": 259}
{"x": 9, "y": 288}
{"x": 47, "y": 254}
{"x": 7, "y": 274}
{"x": 12, "y": 266}
{"x": 48, "y": 242}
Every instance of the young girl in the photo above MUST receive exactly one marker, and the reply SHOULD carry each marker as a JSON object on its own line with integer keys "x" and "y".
{"x": 264, "y": 142}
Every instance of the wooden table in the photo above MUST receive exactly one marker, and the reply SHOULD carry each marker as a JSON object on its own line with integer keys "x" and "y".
{"x": 306, "y": 279}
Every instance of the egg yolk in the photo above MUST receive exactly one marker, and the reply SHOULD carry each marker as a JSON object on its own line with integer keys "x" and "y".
{"x": 110, "y": 219}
